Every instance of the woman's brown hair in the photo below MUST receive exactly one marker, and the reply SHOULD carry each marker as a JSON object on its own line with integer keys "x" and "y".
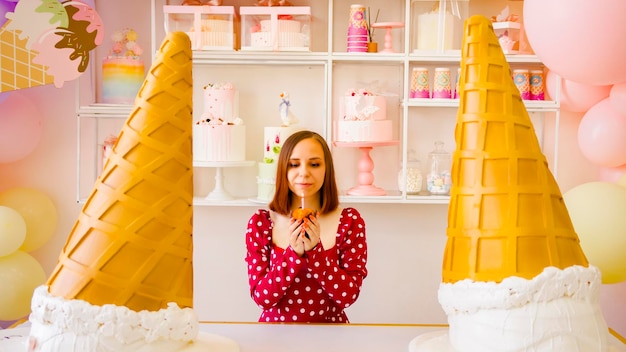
{"x": 329, "y": 196}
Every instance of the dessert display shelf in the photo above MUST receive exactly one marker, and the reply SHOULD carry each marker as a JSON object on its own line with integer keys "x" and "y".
{"x": 531, "y": 105}
{"x": 324, "y": 28}
{"x": 219, "y": 193}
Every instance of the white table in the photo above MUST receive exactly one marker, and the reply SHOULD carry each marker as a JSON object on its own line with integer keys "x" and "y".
{"x": 264, "y": 337}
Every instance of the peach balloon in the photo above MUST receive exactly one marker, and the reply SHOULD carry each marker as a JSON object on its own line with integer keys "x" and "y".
{"x": 611, "y": 174}
{"x": 575, "y": 97}
{"x": 618, "y": 97}
{"x": 580, "y": 40}
{"x": 602, "y": 135}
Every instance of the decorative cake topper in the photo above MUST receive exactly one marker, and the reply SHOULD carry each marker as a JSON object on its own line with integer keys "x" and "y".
{"x": 286, "y": 115}
{"x": 125, "y": 43}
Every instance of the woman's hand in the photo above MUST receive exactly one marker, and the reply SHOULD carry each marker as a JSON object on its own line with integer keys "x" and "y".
{"x": 311, "y": 232}
{"x": 295, "y": 236}
{"x": 304, "y": 234}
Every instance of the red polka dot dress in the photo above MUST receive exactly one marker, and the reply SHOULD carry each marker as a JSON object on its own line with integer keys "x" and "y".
{"x": 316, "y": 287}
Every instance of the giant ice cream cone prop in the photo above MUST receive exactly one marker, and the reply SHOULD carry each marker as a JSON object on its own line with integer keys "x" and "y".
{"x": 124, "y": 278}
{"x": 506, "y": 216}
{"x": 514, "y": 275}
{"x": 132, "y": 243}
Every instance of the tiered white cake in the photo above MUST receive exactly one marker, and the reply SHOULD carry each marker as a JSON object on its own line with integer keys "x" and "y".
{"x": 220, "y": 135}
{"x": 363, "y": 118}
{"x": 273, "y": 140}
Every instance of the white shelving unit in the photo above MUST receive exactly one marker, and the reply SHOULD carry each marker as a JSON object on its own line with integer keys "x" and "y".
{"x": 316, "y": 81}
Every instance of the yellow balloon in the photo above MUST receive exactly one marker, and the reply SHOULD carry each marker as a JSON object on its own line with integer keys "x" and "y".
{"x": 622, "y": 180}
{"x": 12, "y": 230}
{"x": 38, "y": 212}
{"x": 20, "y": 274}
{"x": 598, "y": 213}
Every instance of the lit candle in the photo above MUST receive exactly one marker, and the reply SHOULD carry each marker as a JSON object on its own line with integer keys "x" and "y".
{"x": 302, "y": 199}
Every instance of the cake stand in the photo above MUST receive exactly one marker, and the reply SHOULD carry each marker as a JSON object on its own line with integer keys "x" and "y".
{"x": 366, "y": 185}
{"x": 388, "y": 38}
{"x": 219, "y": 193}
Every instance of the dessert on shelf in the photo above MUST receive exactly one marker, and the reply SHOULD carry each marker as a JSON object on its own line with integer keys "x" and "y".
{"x": 275, "y": 27}
{"x": 363, "y": 118}
{"x": 219, "y": 135}
{"x": 273, "y": 139}
{"x": 209, "y": 25}
{"x": 123, "y": 69}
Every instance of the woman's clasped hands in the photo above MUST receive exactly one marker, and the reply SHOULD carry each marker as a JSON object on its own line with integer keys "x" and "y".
{"x": 304, "y": 234}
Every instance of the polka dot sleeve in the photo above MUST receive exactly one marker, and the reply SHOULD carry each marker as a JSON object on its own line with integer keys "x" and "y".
{"x": 340, "y": 270}
{"x": 270, "y": 273}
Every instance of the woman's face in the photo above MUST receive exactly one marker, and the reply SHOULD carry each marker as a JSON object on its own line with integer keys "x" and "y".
{"x": 307, "y": 168}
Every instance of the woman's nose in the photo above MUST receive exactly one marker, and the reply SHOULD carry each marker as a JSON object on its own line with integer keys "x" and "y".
{"x": 304, "y": 170}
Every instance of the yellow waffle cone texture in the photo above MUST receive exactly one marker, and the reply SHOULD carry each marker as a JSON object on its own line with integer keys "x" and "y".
{"x": 17, "y": 69}
{"x": 132, "y": 243}
{"x": 506, "y": 215}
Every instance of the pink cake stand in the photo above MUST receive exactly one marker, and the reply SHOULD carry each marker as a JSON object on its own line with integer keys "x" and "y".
{"x": 366, "y": 166}
{"x": 388, "y": 39}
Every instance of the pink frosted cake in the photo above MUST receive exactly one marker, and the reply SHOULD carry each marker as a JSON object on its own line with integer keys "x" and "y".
{"x": 220, "y": 101}
{"x": 123, "y": 70}
{"x": 221, "y": 134}
{"x": 363, "y": 118}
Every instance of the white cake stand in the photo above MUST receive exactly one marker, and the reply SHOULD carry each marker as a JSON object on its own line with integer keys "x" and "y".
{"x": 219, "y": 193}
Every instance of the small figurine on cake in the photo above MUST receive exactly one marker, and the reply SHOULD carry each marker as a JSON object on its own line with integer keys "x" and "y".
{"x": 286, "y": 115}
{"x": 363, "y": 117}
{"x": 122, "y": 69}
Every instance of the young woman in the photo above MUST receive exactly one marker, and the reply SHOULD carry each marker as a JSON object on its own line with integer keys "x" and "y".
{"x": 306, "y": 270}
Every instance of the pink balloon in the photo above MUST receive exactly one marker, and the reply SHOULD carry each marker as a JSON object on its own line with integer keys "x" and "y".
{"x": 611, "y": 174}
{"x": 618, "y": 97}
{"x": 581, "y": 40}
{"x": 575, "y": 97}
{"x": 602, "y": 135}
{"x": 20, "y": 128}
